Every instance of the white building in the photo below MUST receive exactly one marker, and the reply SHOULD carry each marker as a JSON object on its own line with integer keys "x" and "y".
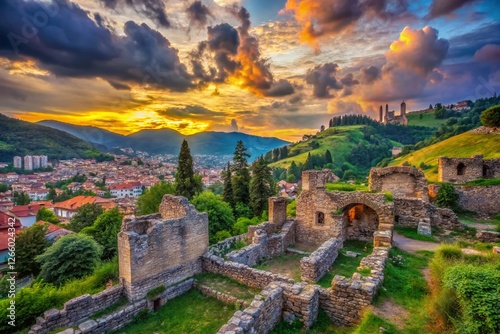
{"x": 44, "y": 160}
{"x": 38, "y": 195}
{"x": 18, "y": 162}
{"x": 28, "y": 162}
{"x": 126, "y": 189}
{"x": 36, "y": 161}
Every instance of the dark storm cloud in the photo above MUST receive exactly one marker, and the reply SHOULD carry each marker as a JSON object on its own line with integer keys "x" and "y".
{"x": 488, "y": 53}
{"x": 323, "y": 79}
{"x": 118, "y": 85}
{"x": 467, "y": 44}
{"x": 369, "y": 74}
{"x": 281, "y": 87}
{"x": 445, "y": 7}
{"x": 71, "y": 44}
{"x": 348, "y": 80}
{"x": 198, "y": 14}
{"x": 152, "y": 9}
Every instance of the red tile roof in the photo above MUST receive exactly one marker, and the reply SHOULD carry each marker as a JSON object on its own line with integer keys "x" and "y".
{"x": 26, "y": 210}
{"x": 74, "y": 203}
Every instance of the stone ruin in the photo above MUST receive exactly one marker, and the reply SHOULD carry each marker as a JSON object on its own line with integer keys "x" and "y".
{"x": 463, "y": 170}
{"x": 163, "y": 251}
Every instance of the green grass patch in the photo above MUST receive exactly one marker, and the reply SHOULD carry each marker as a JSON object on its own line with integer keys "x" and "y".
{"x": 189, "y": 313}
{"x": 110, "y": 309}
{"x": 460, "y": 146}
{"x": 154, "y": 292}
{"x": 341, "y": 186}
{"x": 228, "y": 286}
{"x": 411, "y": 233}
{"x": 484, "y": 182}
{"x": 425, "y": 118}
{"x": 286, "y": 264}
{"x": 345, "y": 265}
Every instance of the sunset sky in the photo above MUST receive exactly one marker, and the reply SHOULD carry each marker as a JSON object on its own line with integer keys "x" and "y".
{"x": 266, "y": 67}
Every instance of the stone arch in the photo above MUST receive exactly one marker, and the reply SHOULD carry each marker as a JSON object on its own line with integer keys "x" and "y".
{"x": 360, "y": 221}
{"x": 401, "y": 181}
{"x": 461, "y": 169}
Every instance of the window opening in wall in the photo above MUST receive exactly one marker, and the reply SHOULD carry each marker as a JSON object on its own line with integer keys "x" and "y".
{"x": 461, "y": 169}
{"x": 320, "y": 218}
{"x": 486, "y": 171}
{"x": 156, "y": 304}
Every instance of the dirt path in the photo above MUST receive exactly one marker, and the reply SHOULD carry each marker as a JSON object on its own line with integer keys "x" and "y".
{"x": 395, "y": 314}
{"x": 411, "y": 245}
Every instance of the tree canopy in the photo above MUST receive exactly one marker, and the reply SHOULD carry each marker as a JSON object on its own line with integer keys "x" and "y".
{"x": 241, "y": 176}
{"x": 30, "y": 243}
{"x": 261, "y": 186}
{"x": 85, "y": 216}
{"x": 149, "y": 202}
{"x": 47, "y": 216}
{"x": 105, "y": 231}
{"x": 186, "y": 184}
{"x": 491, "y": 117}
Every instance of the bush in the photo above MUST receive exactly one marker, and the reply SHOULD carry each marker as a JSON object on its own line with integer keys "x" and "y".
{"x": 491, "y": 117}
{"x": 154, "y": 292}
{"x": 447, "y": 196}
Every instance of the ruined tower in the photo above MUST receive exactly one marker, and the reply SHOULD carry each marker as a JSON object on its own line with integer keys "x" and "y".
{"x": 381, "y": 114}
{"x": 403, "y": 108}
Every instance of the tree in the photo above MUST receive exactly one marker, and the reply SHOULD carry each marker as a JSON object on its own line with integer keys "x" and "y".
{"x": 105, "y": 231}
{"x": 47, "y": 216}
{"x": 447, "y": 196}
{"x": 149, "y": 202}
{"x": 30, "y": 243}
{"x": 217, "y": 188}
{"x": 220, "y": 214}
{"x": 430, "y": 106}
{"x": 52, "y": 194}
{"x": 185, "y": 182}
{"x": 294, "y": 170}
{"x": 228, "y": 195}
{"x": 21, "y": 198}
{"x": 241, "y": 178}
{"x": 3, "y": 188}
{"x": 260, "y": 186}
{"x": 85, "y": 216}
{"x": 72, "y": 256}
{"x": 491, "y": 117}
{"x": 328, "y": 157}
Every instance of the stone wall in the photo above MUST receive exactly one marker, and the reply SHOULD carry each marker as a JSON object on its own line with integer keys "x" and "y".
{"x": 346, "y": 299}
{"x": 314, "y": 266}
{"x": 401, "y": 181}
{"x": 163, "y": 248}
{"x": 261, "y": 316}
{"x": 409, "y": 211}
{"x": 76, "y": 309}
{"x": 223, "y": 297}
{"x": 221, "y": 248}
{"x": 321, "y": 215}
{"x": 462, "y": 170}
{"x": 277, "y": 210}
{"x": 479, "y": 199}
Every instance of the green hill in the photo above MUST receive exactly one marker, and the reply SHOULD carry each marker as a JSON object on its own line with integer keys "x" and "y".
{"x": 424, "y": 118}
{"x": 24, "y": 138}
{"x": 460, "y": 146}
{"x": 339, "y": 140}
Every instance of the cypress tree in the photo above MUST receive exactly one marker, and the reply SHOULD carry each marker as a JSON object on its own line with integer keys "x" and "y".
{"x": 260, "y": 186}
{"x": 241, "y": 177}
{"x": 228, "y": 195}
{"x": 328, "y": 157}
{"x": 185, "y": 183}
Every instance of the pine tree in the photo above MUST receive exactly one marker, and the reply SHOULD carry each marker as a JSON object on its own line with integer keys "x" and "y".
{"x": 241, "y": 178}
{"x": 309, "y": 163}
{"x": 228, "y": 195}
{"x": 260, "y": 186}
{"x": 328, "y": 157}
{"x": 185, "y": 182}
{"x": 294, "y": 170}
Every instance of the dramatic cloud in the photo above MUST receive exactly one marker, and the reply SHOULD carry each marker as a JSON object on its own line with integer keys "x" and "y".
{"x": 198, "y": 14}
{"x": 330, "y": 17}
{"x": 74, "y": 45}
{"x": 445, "y": 7}
{"x": 237, "y": 59}
{"x": 323, "y": 79}
{"x": 488, "y": 52}
{"x": 369, "y": 74}
{"x": 465, "y": 45}
{"x": 152, "y": 9}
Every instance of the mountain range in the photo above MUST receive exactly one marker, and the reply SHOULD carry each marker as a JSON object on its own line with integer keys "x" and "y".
{"x": 167, "y": 141}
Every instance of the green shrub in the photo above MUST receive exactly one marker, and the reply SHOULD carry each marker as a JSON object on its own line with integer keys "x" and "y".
{"x": 388, "y": 197}
{"x": 447, "y": 196}
{"x": 141, "y": 316}
{"x": 491, "y": 117}
{"x": 449, "y": 252}
{"x": 154, "y": 292}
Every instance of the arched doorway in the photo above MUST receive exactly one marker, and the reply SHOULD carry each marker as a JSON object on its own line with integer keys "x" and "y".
{"x": 461, "y": 169}
{"x": 360, "y": 222}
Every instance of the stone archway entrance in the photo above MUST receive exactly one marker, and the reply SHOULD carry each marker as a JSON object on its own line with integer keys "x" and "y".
{"x": 359, "y": 222}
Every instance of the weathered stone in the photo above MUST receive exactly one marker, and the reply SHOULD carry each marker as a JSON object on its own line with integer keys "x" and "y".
{"x": 424, "y": 227}
{"x": 87, "y": 326}
{"x": 351, "y": 254}
{"x": 462, "y": 170}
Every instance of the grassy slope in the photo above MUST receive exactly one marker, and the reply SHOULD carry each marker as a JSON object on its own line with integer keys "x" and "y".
{"x": 461, "y": 146}
{"x": 427, "y": 119}
{"x": 339, "y": 141}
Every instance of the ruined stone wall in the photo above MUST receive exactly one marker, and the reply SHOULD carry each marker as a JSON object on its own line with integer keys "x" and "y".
{"x": 314, "y": 267}
{"x": 277, "y": 210}
{"x": 401, "y": 181}
{"x": 261, "y": 316}
{"x": 221, "y": 248}
{"x": 162, "y": 249}
{"x": 408, "y": 212}
{"x": 76, "y": 309}
{"x": 345, "y": 300}
{"x": 462, "y": 170}
{"x": 249, "y": 255}
{"x": 223, "y": 297}
{"x": 479, "y": 199}
{"x": 330, "y": 205}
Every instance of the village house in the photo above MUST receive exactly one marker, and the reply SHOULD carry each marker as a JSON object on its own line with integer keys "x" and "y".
{"x": 126, "y": 189}
{"x": 53, "y": 232}
{"x": 26, "y": 213}
{"x": 66, "y": 209}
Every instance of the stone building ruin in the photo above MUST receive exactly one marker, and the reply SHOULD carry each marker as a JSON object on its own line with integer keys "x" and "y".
{"x": 160, "y": 253}
{"x": 463, "y": 170}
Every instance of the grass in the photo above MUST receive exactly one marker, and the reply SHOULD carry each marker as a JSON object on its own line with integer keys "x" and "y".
{"x": 472, "y": 218}
{"x": 110, "y": 309}
{"x": 411, "y": 232}
{"x": 189, "y": 313}
{"x": 227, "y": 286}
{"x": 370, "y": 324}
{"x": 345, "y": 265}
{"x": 484, "y": 182}
{"x": 342, "y": 139}
{"x": 287, "y": 264}
{"x": 428, "y": 119}
{"x": 461, "y": 146}
{"x": 339, "y": 186}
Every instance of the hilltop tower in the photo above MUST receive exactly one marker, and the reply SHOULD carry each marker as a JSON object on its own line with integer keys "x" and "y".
{"x": 403, "y": 108}
{"x": 381, "y": 114}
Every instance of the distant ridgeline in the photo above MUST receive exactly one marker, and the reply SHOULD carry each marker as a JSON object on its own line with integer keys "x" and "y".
{"x": 24, "y": 138}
